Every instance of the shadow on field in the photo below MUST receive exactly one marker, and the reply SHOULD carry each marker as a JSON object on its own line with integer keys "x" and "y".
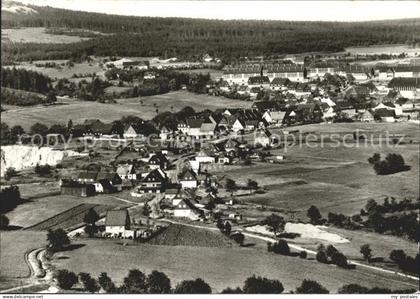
{"x": 72, "y": 247}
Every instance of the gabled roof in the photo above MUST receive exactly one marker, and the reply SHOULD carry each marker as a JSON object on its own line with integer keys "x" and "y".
{"x": 158, "y": 158}
{"x": 259, "y": 80}
{"x": 404, "y": 82}
{"x": 125, "y": 169}
{"x": 188, "y": 175}
{"x": 280, "y": 81}
{"x": 208, "y": 127}
{"x": 116, "y": 218}
{"x": 156, "y": 175}
{"x": 383, "y": 112}
{"x": 194, "y": 122}
{"x": 263, "y": 133}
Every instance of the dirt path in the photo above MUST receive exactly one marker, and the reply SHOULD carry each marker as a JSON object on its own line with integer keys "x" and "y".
{"x": 296, "y": 247}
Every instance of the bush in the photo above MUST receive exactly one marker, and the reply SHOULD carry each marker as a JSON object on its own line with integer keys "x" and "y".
{"x": 106, "y": 283}
{"x": 339, "y": 259}
{"x": 135, "y": 282}
{"x": 43, "y": 170}
{"x": 353, "y": 289}
{"x": 57, "y": 239}
{"x": 158, "y": 283}
{"x": 197, "y": 286}
{"x": 238, "y": 238}
{"x": 311, "y": 287}
{"x": 366, "y": 252}
{"x": 321, "y": 257}
{"x": 303, "y": 254}
{"x": 89, "y": 284}
{"x": 280, "y": 247}
{"x": 66, "y": 279}
{"x": 314, "y": 215}
{"x": 393, "y": 163}
{"x": 4, "y": 221}
{"x": 262, "y": 285}
{"x": 232, "y": 291}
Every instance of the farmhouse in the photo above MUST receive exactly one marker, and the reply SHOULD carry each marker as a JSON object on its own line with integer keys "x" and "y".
{"x": 158, "y": 160}
{"x": 274, "y": 117}
{"x": 186, "y": 209}
{"x": 70, "y": 187}
{"x": 117, "y": 224}
{"x": 154, "y": 182}
{"x": 263, "y": 138}
{"x": 104, "y": 182}
{"x": 127, "y": 172}
{"x": 407, "y": 87}
{"x": 188, "y": 179}
{"x": 133, "y": 131}
{"x": 366, "y": 116}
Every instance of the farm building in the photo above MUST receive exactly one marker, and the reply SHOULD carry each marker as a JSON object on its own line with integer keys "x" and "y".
{"x": 117, "y": 224}
{"x": 70, "y": 187}
{"x": 188, "y": 179}
{"x": 154, "y": 182}
{"x": 186, "y": 209}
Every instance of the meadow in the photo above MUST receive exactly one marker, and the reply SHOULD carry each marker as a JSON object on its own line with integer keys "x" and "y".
{"x": 37, "y": 35}
{"x": 220, "y": 267}
{"x": 143, "y": 107}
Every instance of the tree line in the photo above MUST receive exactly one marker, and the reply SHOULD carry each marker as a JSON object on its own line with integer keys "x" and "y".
{"x": 191, "y": 38}
{"x": 19, "y": 78}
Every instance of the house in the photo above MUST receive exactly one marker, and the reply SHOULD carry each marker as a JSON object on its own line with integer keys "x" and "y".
{"x": 158, "y": 160}
{"x": 279, "y": 83}
{"x": 74, "y": 188}
{"x": 384, "y": 115}
{"x": 104, "y": 182}
{"x": 243, "y": 90}
{"x": 117, "y": 223}
{"x": 263, "y": 138}
{"x": 238, "y": 125}
{"x": 127, "y": 172}
{"x": 165, "y": 133}
{"x": 96, "y": 128}
{"x": 259, "y": 81}
{"x": 204, "y": 157}
{"x": 133, "y": 131}
{"x": 186, "y": 209}
{"x": 309, "y": 113}
{"x": 154, "y": 182}
{"x": 188, "y": 179}
{"x": 274, "y": 117}
{"x": 224, "y": 159}
{"x": 366, "y": 116}
{"x": 263, "y": 106}
{"x": 253, "y": 92}
{"x": 407, "y": 87}
{"x": 208, "y": 129}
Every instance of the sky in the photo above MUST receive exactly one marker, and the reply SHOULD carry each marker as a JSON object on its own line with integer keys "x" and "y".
{"x": 262, "y": 10}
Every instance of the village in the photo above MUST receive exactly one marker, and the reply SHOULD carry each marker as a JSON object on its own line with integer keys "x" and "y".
{"x": 267, "y": 171}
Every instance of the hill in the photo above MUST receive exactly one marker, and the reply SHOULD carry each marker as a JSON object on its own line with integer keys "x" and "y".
{"x": 191, "y": 38}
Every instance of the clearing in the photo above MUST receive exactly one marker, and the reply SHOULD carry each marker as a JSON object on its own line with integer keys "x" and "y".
{"x": 37, "y": 35}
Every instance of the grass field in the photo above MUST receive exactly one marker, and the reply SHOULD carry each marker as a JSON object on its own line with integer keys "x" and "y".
{"x": 220, "y": 267}
{"x": 63, "y": 72}
{"x": 78, "y": 111}
{"x": 179, "y": 235}
{"x": 47, "y": 207}
{"x": 37, "y": 35}
{"x": 13, "y": 246}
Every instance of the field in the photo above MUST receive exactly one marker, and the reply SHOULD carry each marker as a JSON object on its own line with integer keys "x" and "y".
{"x": 48, "y": 207}
{"x": 382, "y": 49}
{"x": 68, "y": 218}
{"x": 220, "y": 267}
{"x": 84, "y": 69}
{"x": 335, "y": 179}
{"x": 78, "y": 111}
{"x": 37, "y": 35}
{"x": 13, "y": 246}
{"x": 179, "y": 235}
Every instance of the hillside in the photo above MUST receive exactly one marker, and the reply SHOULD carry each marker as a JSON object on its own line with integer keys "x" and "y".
{"x": 191, "y": 38}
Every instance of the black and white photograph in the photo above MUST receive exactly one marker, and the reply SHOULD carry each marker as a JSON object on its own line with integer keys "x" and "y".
{"x": 209, "y": 147}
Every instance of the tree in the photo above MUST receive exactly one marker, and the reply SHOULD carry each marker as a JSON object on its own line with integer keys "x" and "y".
{"x": 197, "y": 286}
{"x": 4, "y": 221}
{"x": 227, "y": 229}
{"x": 314, "y": 214}
{"x": 158, "y": 283}
{"x": 229, "y": 290}
{"x": 371, "y": 206}
{"x": 262, "y": 285}
{"x": 331, "y": 250}
{"x": 90, "y": 218}
{"x": 10, "y": 172}
{"x": 275, "y": 223}
{"x": 339, "y": 259}
{"x": 321, "y": 257}
{"x": 66, "y": 279}
{"x": 238, "y": 238}
{"x": 311, "y": 287}
{"x": 374, "y": 159}
{"x": 366, "y": 252}
{"x": 89, "y": 283}
{"x": 57, "y": 239}
{"x": 353, "y": 289}
{"x": 230, "y": 185}
{"x": 280, "y": 247}
{"x": 106, "y": 283}
{"x": 135, "y": 282}
{"x": 398, "y": 256}
{"x": 38, "y": 128}
{"x": 42, "y": 170}
{"x": 303, "y": 254}
{"x": 252, "y": 184}
{"x": 51, "y": 98}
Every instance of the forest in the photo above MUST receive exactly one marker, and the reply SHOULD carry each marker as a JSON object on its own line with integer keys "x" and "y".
{"x": 192, "y": 38}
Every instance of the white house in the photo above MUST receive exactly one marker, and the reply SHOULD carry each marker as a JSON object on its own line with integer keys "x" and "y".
{"x": 117, "y": 224}
{"x": 186, "y": 209}
{"x": 188, "y": 179}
